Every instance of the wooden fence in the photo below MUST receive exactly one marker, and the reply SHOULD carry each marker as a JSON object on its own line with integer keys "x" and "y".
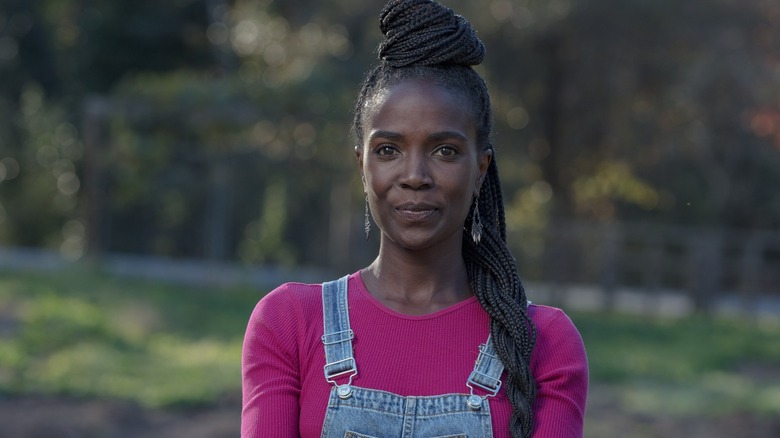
{"x": 704, "y": 265}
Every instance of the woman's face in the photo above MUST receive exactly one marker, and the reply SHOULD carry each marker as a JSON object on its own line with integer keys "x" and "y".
{"x": 420, "y": 163}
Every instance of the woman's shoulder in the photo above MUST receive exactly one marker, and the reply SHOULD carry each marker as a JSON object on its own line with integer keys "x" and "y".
{"x": 290, "y": 297}
{"x": 556, "y": 334}
{"x": 554, "y": 327}
{"x": 294, "y": 291}
{"x": 543, "y": 315}
{"x": 294, "y": 299}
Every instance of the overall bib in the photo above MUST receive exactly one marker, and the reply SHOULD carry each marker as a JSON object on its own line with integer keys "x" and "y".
{"x": 355, "y": 412}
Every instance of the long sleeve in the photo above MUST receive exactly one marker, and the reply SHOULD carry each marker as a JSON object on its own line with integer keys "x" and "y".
{"x": 561, "y": 371}
{"x": 271, "y": 383}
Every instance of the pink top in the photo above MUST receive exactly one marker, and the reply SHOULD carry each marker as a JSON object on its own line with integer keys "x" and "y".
{"x": 285, "y": 393}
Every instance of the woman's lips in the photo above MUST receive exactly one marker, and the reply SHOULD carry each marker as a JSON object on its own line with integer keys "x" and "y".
{"x": 415, "y": 212}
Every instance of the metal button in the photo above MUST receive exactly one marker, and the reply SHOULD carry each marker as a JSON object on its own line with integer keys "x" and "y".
{"x": 474, "y": 402}
{"x": 344, "y": 391}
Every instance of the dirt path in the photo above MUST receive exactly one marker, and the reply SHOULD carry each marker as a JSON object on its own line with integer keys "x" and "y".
{"x": 47, "y": 417}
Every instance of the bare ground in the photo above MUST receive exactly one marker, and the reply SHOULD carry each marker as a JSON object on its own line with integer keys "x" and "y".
{"x": 45, "y": 417}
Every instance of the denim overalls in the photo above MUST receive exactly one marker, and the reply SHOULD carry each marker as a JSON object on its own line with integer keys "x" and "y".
{"x": 355, "y": 412}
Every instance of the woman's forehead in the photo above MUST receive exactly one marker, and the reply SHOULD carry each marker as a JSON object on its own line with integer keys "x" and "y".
{"x": 415, "y": 92}
{"x": 419, "y": 104}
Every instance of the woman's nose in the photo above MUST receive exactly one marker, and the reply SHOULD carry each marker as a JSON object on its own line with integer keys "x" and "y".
{"x": 416, "y": 173}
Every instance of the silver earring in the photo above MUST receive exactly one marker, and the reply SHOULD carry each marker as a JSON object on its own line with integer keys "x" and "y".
{"x": 367, "y": 221}
{"x": 476, "y": 223}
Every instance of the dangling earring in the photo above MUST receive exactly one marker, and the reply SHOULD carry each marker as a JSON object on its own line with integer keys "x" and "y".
{"x": 476, "y": 223}
{"x": 367, "y": 222}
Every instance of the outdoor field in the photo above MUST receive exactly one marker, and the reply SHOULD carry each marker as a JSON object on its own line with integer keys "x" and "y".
{"x": 96, "y": 355}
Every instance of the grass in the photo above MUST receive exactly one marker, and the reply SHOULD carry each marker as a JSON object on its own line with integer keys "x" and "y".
{"x": 685, "y": 366}
{"x": 622, "y": 347}
{"x": 84, "y": 334}
{"x": 89, "y": 335}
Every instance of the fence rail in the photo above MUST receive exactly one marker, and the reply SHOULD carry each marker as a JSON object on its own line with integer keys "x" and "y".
{"x": 702, "y": 265}
{"x": 623, "y": 267}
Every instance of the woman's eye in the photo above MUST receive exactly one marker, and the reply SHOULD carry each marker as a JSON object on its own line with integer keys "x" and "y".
{"x": 446, "y": 151}
{"x": 386, "y": 150}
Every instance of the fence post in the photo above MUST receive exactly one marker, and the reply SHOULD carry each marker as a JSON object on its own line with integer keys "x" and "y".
{"x": 95, "y": 114}
{"x": 653, "y": 268}
{"x": 750, "y": 266}
{"x": 609, "y": 269}
{"x": 705, "y": 264}
{"x": 340, "y": 226}
{"x": 218, "y": 210}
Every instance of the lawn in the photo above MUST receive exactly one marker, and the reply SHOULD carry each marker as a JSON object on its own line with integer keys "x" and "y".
{"x": 83, "y": 334}
{"x": 685, "y": 366}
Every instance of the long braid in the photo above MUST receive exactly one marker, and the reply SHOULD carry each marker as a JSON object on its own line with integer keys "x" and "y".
{"x": 424, "y": 39}
{"x": 493, "y": 276}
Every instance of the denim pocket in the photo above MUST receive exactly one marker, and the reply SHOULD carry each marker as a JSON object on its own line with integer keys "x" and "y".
{"x": 350, "y": 434}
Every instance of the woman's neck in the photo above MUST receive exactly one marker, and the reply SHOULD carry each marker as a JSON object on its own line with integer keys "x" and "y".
{"x": 417, "y": 282}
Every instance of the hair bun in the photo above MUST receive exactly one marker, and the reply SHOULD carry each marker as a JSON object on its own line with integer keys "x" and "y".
{"x": 423, "y": 32}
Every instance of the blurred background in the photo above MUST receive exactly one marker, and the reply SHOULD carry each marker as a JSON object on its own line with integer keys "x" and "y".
{"x": 164, "y": 164}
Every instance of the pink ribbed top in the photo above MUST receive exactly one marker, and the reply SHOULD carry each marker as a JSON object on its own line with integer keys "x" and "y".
{"x": 285, "y": 393}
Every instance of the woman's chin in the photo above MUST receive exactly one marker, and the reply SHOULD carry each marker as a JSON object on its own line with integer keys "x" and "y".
{"x": 420, "y": 241}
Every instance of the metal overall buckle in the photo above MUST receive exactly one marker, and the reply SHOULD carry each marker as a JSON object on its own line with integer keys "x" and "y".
{"x": 344, "y": 391}
{"x": 475, "y": 401}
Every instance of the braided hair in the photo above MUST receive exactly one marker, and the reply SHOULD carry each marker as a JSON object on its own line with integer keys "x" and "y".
{"x": 425, "y": 40}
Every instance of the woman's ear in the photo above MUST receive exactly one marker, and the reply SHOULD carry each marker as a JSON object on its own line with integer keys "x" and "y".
{"x": 485, "y": 157}
{"x": 359, "y": 156}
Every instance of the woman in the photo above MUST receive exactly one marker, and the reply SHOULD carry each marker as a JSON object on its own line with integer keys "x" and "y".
{"x": 438, "y": 326}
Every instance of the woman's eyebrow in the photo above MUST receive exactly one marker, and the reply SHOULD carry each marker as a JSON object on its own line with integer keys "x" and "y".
{"x": 388, "y": 135}
{"x": 447, "y": 135}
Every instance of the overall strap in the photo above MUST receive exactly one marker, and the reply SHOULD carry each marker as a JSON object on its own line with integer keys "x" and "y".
{"x": 486, "y": 374}
{"x": 337, "y": 337}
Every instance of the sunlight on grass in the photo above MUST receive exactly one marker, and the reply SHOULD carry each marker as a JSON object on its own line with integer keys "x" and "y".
{"x": 87, "y": 335}
{"x": 675, "y": 350}
{"x": 169, "y": 371}
{"x": 691, "y": 366}
{"x": 714, "y": 393}
{"x": 135, "y": 320}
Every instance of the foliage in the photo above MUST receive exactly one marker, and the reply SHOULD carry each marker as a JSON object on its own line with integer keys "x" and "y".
{"x": 220, "y": 129}
{"x": 221, "y": 164}
{"x": 42, "y": 175}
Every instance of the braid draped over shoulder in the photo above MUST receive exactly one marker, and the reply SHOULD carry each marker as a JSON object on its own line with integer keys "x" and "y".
{"x": 425, "y": 40}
